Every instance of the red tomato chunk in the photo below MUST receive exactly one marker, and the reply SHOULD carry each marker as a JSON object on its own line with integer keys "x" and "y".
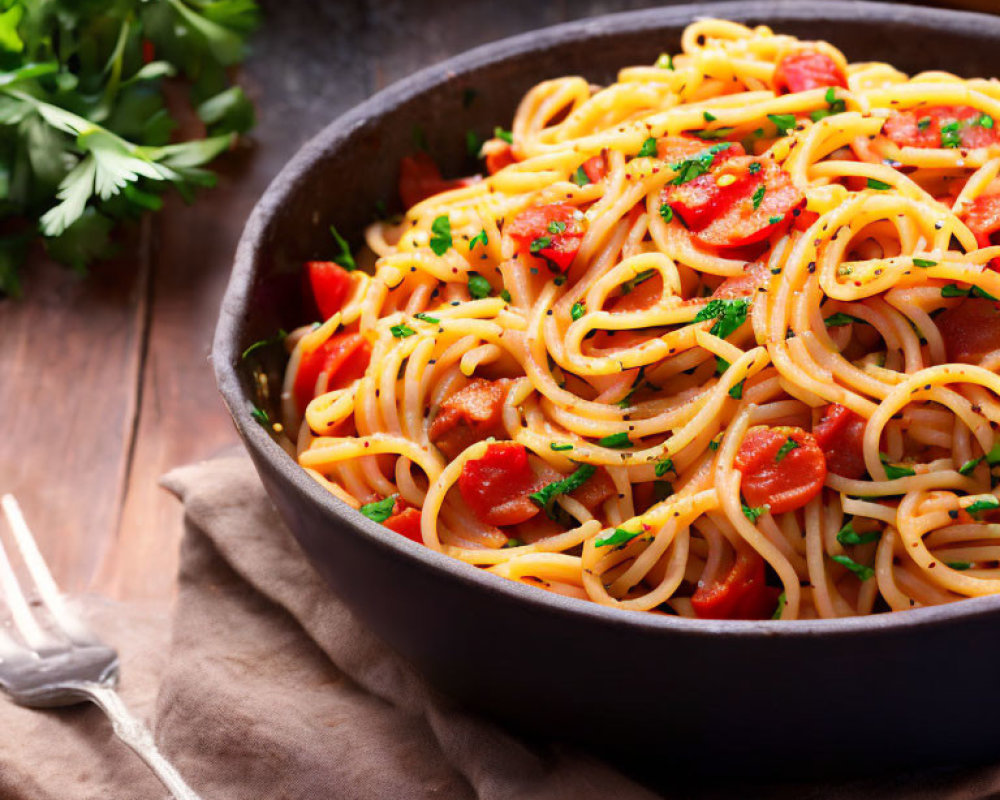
{"x": 941, "y": 126}
{"x": 496, "y": 486}
{"x": 802, "y": 70}
{"x": 840, "y": 435}
{"x": 552, "y": 232}
{"x": 469, "y": 416}
{"x": 782, "y": 468}
{"x": 497, "y": 159}
{"x": 741, "y": 594}
{"x": 970, "y": 330}
{"x": 982, "y": 216}
{"x": 405, "y": 520}
{"x": 595, "y": 168}
{"x": 330, "y": 284}
{"x": 740, "y": 202}
{"x": 342, "y": 359}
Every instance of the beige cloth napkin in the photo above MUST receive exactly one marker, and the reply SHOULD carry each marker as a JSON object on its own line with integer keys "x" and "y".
{"x": 270, "y": 689}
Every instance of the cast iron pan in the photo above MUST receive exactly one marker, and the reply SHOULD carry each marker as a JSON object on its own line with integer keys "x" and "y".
{"x": 670, "y": 696}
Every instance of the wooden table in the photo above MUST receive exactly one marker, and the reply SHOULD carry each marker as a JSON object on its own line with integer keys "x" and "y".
{"x": 106, "y": 382}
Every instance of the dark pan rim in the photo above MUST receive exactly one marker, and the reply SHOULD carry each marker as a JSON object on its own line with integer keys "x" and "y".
{"x": 226, "y": 347}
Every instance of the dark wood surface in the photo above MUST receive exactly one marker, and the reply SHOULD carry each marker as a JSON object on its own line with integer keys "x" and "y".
{"x": 105, "y": 382}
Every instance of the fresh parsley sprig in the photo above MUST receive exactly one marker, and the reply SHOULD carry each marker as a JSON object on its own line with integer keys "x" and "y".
{"x": 85, "y": 132}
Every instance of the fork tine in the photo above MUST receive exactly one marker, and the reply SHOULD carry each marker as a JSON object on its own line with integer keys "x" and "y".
{"x": 71, "y": 625}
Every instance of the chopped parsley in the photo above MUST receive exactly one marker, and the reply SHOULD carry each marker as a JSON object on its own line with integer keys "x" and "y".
{"x": 714, "y": 444}
{"x": 666, "y": 212}
{"x": 775, "y": 219}
{"x": 441, "y": 235}
{"x": 755, "y": 167}
{"x": 663, "y": 467}
{"x": 969, "y": 466}
{"x": 986, "y": 504}
{"x": 721, "y": 365}
{"x": 500, "y": 133}
{"x": 834, "y": 106}
{"x": 513, "y": 542}
{"x": 645, "y": 275}
{"x": 789, "y": 445}
{"x": 691, "y": 168}
{"x": 923, "y": 123}
{"x": 708, "y": 116}
{"x": 479, "y": 287}
{"x": 893, "y": 471}
{"x": 580, "y": 177}
{"x": 557, "y": 226}
{"x": 838, "y": 319}
{"x": 924, "y": 263}
{"x": 951, "y": 135}
{"x": 782, "y": 600}
{"x": 648, "y": 148}
{"x": 577, "y": 311}
{"x": 665, "y": 61}
{"x": 983, "y": 121}
{"x": 278, "y": 337}
{"x": 861, "y": 572}
{"x": 718, "y": 133}
{"x": 617, "y": 537}
{"x": 505, "y": 295}
{"x": 758, "y": 196}
{"x": 380, "y": 510}
{"x": 783, "y": 122}
{"x": 402, "y": 330}
{"x": 961, "y": 566}
{"x": 736, "y": 392}
{"x": 557, "y": 447}
{"x": 427, "y": 318}
{"x": 953, "y": 290}
{"x": 547, "y": 494}
{"x": 479, "y": 238}
{"x": 539, "y": 244}
{"x": 753, "y": 514}
{"x": 729, "y": 315}
{"x": 848, "y": 536}
{"x": 615, "y": 440}
{"x": 260, "y": 415}
{"x": 881, "y": 186}
{"x": 343, "y": 257}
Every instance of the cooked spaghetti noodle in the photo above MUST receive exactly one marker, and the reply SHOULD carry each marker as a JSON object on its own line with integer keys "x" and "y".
{"x": 719, "y": 340}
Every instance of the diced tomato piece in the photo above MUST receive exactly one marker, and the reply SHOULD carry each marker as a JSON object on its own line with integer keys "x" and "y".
{"x": 805, "y": 220}
{"x": 970, "y": 330}
{"x": 496, "y": 486}
{"x": 840, "y": 435}
{"x": 552, "y": 232}
{"x": 802, "y": 70}
{"x": 736, "y": 213}
{"x": 469, "y": 416}
{"x": 641, "y": 296}
{"x": 595, "y": 168}
{"x": 420, "y": 178}
{"x": 674, "y": 149}
{"x": 921, "y": 127}
{"x": 982, "y": 216}
{"x": 782, "y": 480}
{"x": 741, "y": 594}
{"x": 405, "y": 520}
{"x": 499, "y": 158}
{"x": 330, "y": 284}
{"x": 755, "y": 274}
{"x": 342, "y": 358}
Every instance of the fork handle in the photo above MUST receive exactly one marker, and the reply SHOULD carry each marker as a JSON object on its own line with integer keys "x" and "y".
{"x": 132, "y": 732}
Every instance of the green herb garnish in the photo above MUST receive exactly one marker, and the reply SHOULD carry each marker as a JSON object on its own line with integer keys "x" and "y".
{"x": 663, "y": 467}
{"x": 427, "y": 318}
{"x": 500, "y": 133}
{"x": 441, "y": 235}
{"x": 729, "y": 315}
{"x": 951, "y": 135}
{"x": 577, "y": 311}
{"x": 539, "y": 244}
{"x": 969, "y": 466}
{"x": 736, "y": 392}
{"x": 648, "y": 148}
{"x": 862, "y": 572}
{"x": 753, "y": 514}
{"x": 544, "y": 496}
{"x": 789, "y": 445}
{"x": 276, "y": 339}
{"x": 557, "y": 226}
{"x": 782, "y": 600}
{"x": 617, "y": 537}
{"x": 380, "y": 510}
{"x": 878, "y": 185}
{"x": 402, "y": 330}
{"x": 924, "y": 263}
{"x": 479, "y": 238}
{"x": 986, "y": 504}
{"x": 783, "y": 122}
{"x": 580, "y": 177}
{"x": 758, "y": 196}
{"x": 961, "y": 566}
{"x": 666, "y": 212}
{"x": 848, "y": 536}
{"x": 838, "y": 319}
{"x": 893, "y": 471}
{"x": 343, "y": 257}
{"x": 640, "y": 277}
{"x": 691, "y": 168}
{"x": 260, "y": 415}
{"x": 557, "y": 447}
{"x": 615, "y": 440}
{"x": 665, "y": 61}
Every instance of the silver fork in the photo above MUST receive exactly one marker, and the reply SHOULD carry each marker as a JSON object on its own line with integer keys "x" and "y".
{"x": 63, "y": 663}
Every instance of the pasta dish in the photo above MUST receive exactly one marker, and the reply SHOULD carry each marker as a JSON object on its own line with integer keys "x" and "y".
{"x": 719, "y": 340}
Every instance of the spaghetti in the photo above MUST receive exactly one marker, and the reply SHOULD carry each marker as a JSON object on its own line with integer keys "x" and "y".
{"x": 720, "y": 339}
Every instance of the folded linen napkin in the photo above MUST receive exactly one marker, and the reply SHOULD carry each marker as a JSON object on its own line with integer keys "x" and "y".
{"x": 270, "y": 689}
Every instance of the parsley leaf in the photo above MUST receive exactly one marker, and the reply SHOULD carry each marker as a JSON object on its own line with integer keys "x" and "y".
{"x": 577, "y": 311}
{"x": 969, "y": 466}
{"x": 648, "y": 148}
{"x": 860, "y": 571}
{"x": 789, "y": 445}
{"x": 427, "y": 318}
{"x": 441, "y": 235}
{"x": 479, "y": 238}
{"x": 730, "y": 314}
{"x": 782, "y": 601}
{"x": 663, "y": 467}
{"x": 557, "y": 447}
{"x": 736, "y": 392}
{"x": 640, "y": 277}
{"x": 783, "y": 122}
{"x": 878, "y": 185}
{"x": 380, "y": 510}
{"x": 580, "y": 177}
{"x": 924, "y": 263}
{"x": 615, "y": 440}
{"x": 666, "y": 212}
{"x": 961, "y": 566}
{"x": 893, "y": 471}
{"x": 547, "y": 494}
{"x": 500, "y": 133}
{"x": 260, "y": 415}
{"x": 665, "y": 61}
{"x": 617, "y": 537}
{"x": 848, "y": 536}
{"x": 691, "y": 168}
{"x": 758, "y": 196}
{"x": 278, "y": 337}
{"x": 479, "y": 287}
{"x": 986, "y": 504}
{"x": 923, "y": 123}
{"x": 557, "y": 226}
{"x": 402, "y": 330}
{"x": 983, "y": 121}
{"x": 343, "y": 257}
{"x": 753, "y": 514}
{"x": 838, "y": 319}
{"x": 951, "y": 135}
